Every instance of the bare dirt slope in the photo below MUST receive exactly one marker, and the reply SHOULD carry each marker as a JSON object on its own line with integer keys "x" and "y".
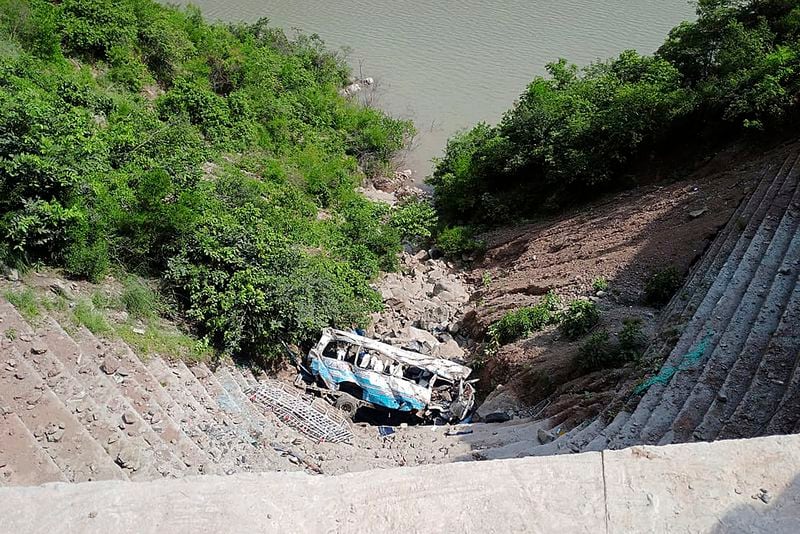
{"x": 623, "y": 238}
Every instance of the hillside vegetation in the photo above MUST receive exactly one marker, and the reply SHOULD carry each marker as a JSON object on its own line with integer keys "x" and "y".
{"x": 575, "y": 132}
{"x": 219, "y": 159}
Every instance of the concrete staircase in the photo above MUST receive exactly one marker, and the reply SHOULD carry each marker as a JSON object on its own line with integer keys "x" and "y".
{"x": 739, "y": 312}
{"x": 76, "y": 408}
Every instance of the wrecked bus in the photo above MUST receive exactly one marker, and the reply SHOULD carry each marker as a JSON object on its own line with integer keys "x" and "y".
{"x": 351, "y": 372}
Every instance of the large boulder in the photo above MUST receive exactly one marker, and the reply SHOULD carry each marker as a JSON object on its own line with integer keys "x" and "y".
{"x": 502, "y": 399}
{"x": 449, "y": 350}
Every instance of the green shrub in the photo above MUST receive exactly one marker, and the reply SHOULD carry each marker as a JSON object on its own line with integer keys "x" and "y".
{"x": 458, "y": 240}
{"x": 93, "y": 26}
{"x": 596, "y": 352}
{"x": 522, "y": 322}
{"x": 632, "y": 340}
{"x": 579, "y": 317}
{"x": 88, "y": 261}
{"x": 415, "y": 220}
{"x": 662, "y": 285}
{"x": 600, "y": 284}
{"x": 139, "y": 300}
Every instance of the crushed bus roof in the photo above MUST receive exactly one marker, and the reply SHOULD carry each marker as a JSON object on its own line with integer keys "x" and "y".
{"x": 446, "y": 369}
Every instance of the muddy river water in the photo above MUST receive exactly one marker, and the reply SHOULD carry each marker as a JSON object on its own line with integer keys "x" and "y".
{"x": 448, "y": 64}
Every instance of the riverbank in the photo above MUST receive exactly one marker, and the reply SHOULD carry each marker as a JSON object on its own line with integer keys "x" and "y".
{"x": 449, "y": 66}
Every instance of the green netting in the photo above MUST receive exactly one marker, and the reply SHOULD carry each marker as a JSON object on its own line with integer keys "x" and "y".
{"x": 687, "y": 361}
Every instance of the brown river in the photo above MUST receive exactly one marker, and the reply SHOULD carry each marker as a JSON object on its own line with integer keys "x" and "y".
{"x": 449, "y": 64}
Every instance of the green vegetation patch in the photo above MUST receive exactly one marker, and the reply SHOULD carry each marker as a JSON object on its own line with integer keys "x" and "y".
{"x": 662, "y": 285}
{"x": 159, "y": 341}
{"x": 25, "y": 301}
{"x": 140, "y": 137}
{"x": 600, "y": 284}
{"x": 576, "y": 132}
{"x": 599, "y": 351}
{"x": 139, "y": 300}
{"x": 522, "y": 322}
{"x": 85, "y": 314}
{"x": 579, "y": 317}
{"x": 457, "y": 240}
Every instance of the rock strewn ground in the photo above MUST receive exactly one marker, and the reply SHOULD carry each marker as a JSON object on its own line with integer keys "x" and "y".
{"x": 424, "y": 307}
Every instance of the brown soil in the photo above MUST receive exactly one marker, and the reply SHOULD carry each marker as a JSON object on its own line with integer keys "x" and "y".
{"x": 623, "y": 238}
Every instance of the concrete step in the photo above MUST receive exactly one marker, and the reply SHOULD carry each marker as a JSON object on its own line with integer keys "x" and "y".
{"x": 240, "y": 374}
{"x": 773, "y": 378}
{"x": 23, "y": 462}
{"x": 786, "y": 417}
{"x": 235, "y": 450}
{"x": 144, "y": 401}
{"x": 740, "y": 381}
{"x": 253, "y": 419}
{"x": 681, "y": 308}
{"x": 108, "y": 429}
{"x": 154, "y": 455}
{"x": 253, "y": 453}
{"x": 749, "y": 248}
{"x": 706, "y": 270}
{"x": 53, "y": 425}
{"x": 572, "y": 441}
{"x": 600, "y": 441}
{"x": 101, "y": 411}
{"x": 757, "y": 312}
{"x": 219, "y": 438}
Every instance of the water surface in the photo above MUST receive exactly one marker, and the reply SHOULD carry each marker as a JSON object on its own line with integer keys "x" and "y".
{"x": 449, "y": 64}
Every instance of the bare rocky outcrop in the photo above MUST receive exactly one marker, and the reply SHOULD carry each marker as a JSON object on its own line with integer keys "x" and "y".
{"x": 425, "y": 305}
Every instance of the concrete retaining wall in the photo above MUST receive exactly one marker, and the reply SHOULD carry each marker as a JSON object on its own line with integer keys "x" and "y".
{"x": 728, "y": 486}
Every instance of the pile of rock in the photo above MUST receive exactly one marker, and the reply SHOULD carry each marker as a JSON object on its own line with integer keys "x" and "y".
{"x": 355, "y": 86}
{"x": 392, "y": 189}
{"x": 424, "y": 306}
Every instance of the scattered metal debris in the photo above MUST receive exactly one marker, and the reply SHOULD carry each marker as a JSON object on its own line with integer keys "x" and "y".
{"x": 308, "y": 417}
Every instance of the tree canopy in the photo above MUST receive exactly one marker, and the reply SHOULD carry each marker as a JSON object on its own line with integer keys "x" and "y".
{"x": 574, "y": 132}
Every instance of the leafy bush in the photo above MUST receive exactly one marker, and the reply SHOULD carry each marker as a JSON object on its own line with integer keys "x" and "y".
{"x": 597, "y": 352}
{"x": 632, "y": 340}
{"x": 579, "y": 317}
{"x": 662, "y": 285}
{"x": 522, "y": 322}
{"x": 600, "y": 284}
{"x": 415, "y": 220}
{"x": 458, "y": 240}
